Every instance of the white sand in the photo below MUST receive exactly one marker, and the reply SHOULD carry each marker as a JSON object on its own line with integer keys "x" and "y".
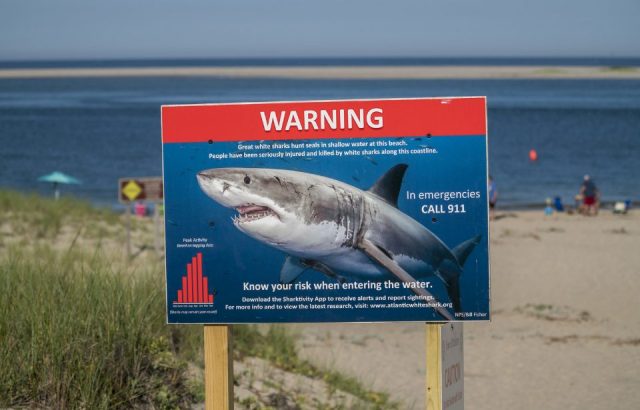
{"x": 566, "y": 323}
{"x": 332, "y": 72}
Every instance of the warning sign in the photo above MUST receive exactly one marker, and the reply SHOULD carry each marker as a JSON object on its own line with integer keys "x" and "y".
{"x": 131, "y": 190}
{"x": 327, "y": 211}
{"x": 140, "y": 189}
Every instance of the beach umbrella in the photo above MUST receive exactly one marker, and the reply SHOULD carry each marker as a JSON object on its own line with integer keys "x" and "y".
{"x": 57, "y": 178}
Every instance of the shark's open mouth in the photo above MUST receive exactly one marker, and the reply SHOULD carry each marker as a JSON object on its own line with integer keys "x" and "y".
{"x": 251, "y": 212}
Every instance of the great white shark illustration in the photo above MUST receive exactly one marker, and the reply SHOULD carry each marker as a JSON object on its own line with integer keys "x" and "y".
{"x": 338, "y": 229}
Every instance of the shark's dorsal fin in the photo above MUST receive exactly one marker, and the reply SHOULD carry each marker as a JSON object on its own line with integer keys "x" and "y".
{"x": 387, "y": 186}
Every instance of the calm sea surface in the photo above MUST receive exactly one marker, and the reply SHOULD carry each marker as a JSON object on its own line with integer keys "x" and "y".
{"x": 100, "y": 129}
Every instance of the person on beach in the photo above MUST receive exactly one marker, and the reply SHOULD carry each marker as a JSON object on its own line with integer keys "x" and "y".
{"x": 590, "y": 196}
{"x": 493, "y": 196}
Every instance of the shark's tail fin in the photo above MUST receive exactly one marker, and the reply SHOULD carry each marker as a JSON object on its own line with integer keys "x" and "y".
{"x": 453, "y": 290}
{"x": 461, "y": 252}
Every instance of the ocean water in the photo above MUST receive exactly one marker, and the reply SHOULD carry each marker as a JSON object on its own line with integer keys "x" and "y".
{"x": 101, "y": 129}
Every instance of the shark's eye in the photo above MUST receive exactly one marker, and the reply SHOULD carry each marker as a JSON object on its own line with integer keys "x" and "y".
{"x": 247, "y": 180}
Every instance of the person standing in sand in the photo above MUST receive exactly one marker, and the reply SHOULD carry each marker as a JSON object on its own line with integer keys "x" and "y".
{"x": 493, "y": 196}
{"x": 590, "y": 196}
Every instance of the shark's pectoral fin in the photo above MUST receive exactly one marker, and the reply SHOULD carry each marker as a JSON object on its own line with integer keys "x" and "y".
{"x": 382, "y": 257}
{"x": 294, "y": 267}
{"x": 322, "y": 268}
{"x": 291, "y": 270}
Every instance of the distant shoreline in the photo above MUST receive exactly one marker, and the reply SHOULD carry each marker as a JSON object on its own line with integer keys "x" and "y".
{"x": 339, "y": 72}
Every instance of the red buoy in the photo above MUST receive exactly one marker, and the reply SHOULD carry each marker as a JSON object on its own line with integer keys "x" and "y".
{"x": 533, "y": 155}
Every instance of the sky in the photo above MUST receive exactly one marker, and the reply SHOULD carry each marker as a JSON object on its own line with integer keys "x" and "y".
{"x": 129, "y": 29}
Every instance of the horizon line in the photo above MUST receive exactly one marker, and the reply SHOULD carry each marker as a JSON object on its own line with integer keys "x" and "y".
{"x": 327, "y": 57}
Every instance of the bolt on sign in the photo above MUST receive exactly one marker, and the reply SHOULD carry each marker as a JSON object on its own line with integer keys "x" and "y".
{"x": 140, "y": 189}
{"x": 327, "y": 211}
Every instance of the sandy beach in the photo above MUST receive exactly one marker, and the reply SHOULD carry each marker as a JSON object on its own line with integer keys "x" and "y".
{"x": 565, "y": 329}
{"x": 341, "y": 72}
{"x": 565, "y": 332}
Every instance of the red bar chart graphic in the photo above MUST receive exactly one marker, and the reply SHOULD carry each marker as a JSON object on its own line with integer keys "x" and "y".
{"x": 195, "y": 287}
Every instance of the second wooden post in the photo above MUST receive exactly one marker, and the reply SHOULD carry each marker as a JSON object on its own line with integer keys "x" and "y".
{"x": 218, "y": 367}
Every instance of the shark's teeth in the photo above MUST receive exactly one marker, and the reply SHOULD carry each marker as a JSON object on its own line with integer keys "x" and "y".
{"x": 252, "y": 213}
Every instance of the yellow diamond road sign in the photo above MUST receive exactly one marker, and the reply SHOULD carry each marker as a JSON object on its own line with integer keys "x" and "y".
{"x": 131, "y": 190}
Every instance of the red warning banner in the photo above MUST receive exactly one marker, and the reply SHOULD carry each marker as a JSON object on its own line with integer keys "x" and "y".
{"x": 324, "y": 119}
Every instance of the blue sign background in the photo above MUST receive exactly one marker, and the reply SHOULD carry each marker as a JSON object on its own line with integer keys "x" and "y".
{"x": 235, "y": 258}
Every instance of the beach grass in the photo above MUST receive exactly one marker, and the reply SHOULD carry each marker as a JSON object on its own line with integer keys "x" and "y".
{"x": 77, "y": 334}
{"x": 81, "y": 329}
{"x": 278, "y": 345}
{"x": 35, "y": 217}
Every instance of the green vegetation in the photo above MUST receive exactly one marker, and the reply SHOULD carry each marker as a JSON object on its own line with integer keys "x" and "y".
{"x": 277, "y": 345}
{"x": 36, "y": 217}
{"x": 81, "y": 329}
{"x": 620, "y": 69}
{"x": 75, "y": 334}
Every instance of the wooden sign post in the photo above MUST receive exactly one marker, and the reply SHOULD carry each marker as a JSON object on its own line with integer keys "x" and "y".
{"x": 218, "y": 367}
{"x": 445, "y": 366}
